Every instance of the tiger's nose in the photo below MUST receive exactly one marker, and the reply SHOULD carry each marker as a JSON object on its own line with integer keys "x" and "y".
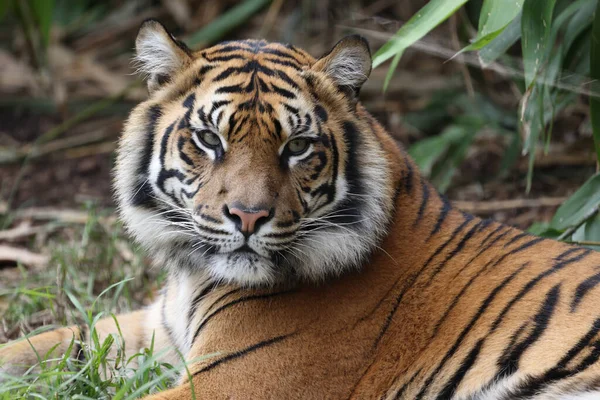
{"x": 247, "y": 221}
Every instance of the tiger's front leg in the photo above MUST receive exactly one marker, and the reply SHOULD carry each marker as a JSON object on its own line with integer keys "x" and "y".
{"x": 136, "y": 331}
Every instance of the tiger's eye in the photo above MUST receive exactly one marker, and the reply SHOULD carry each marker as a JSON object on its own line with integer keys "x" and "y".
{"x": 209, "y": 138}
{"x": 298, "y": 146}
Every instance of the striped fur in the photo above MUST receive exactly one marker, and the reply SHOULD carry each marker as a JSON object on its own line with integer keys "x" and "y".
{"x": 398, "y": 296}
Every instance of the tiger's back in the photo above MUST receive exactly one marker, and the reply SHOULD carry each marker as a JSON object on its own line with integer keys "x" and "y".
{"x": 306, "y": 250}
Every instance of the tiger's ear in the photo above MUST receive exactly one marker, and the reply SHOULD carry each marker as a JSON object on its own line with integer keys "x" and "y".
{"x": 348, "y": 63}
{"x": 158, "y": 54}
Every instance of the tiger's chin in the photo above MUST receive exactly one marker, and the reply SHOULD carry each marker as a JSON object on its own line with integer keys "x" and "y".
{"x": 244, "y": 268}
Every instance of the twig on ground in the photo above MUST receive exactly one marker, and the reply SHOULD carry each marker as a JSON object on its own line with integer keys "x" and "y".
{"x": 10, "y": 155}
{"x": 85, "y": 151}
{"x": 60, "y": 215}
{"x": 23, "y": 256}
{"x": 21, "y": 231}
{"x": 485, "y": 207}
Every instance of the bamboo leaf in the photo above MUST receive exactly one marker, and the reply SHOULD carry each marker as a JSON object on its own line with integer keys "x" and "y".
{"x": 578, "y": 205}
{"x": 501, "y": 43}
{"x": 595, "y": 75}
{"x": 426, "y": 19}
{"x": 391, "y": 70}
{"x": 535, "y": 34}
{"x": 496, "y": 15}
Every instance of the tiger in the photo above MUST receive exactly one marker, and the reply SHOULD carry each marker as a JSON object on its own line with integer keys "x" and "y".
{"x": 307, "y": 253}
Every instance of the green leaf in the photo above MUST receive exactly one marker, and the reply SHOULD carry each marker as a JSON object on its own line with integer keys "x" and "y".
{"x": 578, "y": 205}
{"x": 225, "y": 23}
{"x": 428, "y": 151}
{"x": 391, "y": 70}
{"x": 426, "y": 19}
{"x": 5, "y": 6}
{"x": 543, "y": 229}
{"x": 481, "y": 42}
{"x": 497, "y": 14}
{"x": 501, "y": 43}
{"x": 595, "y": 75}
{"x": 588, "y": 232}
{"x": 42, "y": 11}
{"x": 535, "y": 34}
{"x": 441, "y": 155}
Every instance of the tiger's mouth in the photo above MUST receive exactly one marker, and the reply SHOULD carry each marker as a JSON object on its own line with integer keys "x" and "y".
{"x": 245, "y": 249}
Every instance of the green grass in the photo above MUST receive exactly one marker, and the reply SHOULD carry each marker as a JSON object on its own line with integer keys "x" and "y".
{"x": 94, "y": 272}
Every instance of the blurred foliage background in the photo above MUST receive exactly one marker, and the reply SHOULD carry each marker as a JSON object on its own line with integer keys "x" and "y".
{"x": 494, "y": 99}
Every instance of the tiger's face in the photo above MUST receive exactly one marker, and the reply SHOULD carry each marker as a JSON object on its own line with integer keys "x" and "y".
{"x": 250, "y": 162}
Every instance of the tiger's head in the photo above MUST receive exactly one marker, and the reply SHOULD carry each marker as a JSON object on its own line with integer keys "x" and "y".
{"x": 253, "y": 161}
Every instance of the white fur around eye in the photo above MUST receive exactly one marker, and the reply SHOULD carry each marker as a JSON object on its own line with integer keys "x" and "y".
{"x": 208, "y": 150}
{"x": 293, "y": 160}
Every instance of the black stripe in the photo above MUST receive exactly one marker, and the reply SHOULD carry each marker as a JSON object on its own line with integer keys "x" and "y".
{"x": 583, "y": 288}
{"x": 514, "y": 239}
{"x": 335, "y": 159}
{"x": 413, "y": 279}
{"x": 285, "y": 63}
{"x": 424, "y": 200}
{"x": 213, "y": 231}
{"x": 580, "y": 345}
{"x": 286, "y": 78}
{"x": 492, "y": 233}
{"x": 181, "y": 142}
{"x": 533, "y": 282}
{"x": 444, "y": 210}
{"x": 226, "y": 58}
{"x": 559, "y": 371}
{"x": 457, "y": 298}
{"x": 234, "y": 46}
{"x": 243, "y": 352}
{"x": 407, "y": 384}
{"x": 226, "y": 74}
{"x": 450, "y": 387}
{"x": 143, "y": 195}
{"x": 283, "y": 92}
{"x": 509, "y": 361}
{"x": 463, "y": 334}
{"x": 281, "y": 54}
{"x": 569, "y": 252}
{"x": 231, "y": 304}
{"x": 482, "y": 250}
{"x": 408, "y": 177}
{"x": 230, "y": 89}
{"x": 194, "y": 304}
{"x": 477, "y": 227}
{"x": 522, "y": 247}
